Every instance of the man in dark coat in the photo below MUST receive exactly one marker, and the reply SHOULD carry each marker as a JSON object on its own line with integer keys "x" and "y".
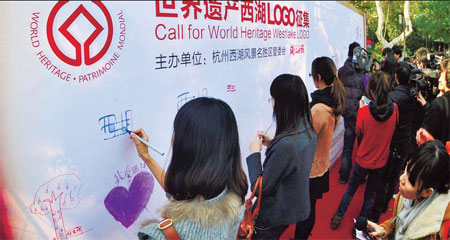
{"x": 353, "y": 79}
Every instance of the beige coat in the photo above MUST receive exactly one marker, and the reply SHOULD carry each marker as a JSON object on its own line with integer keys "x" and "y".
{"x": 428, "y": 225}
{"x": 324, "y": 124}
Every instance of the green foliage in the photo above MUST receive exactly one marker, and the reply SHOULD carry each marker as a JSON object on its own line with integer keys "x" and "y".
{"x": 430, "y": 20}
{"x": 433, "y": 18}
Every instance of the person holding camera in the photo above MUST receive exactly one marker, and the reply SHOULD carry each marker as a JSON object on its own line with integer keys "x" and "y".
{"x": 437, "y": 118}
{"x": 352, "y": 76}
{"x": 400, "y": 148}
{"x": 419, "y": 108}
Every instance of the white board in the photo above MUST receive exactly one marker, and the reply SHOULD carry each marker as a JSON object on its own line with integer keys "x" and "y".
{"x": 76, "y": 76}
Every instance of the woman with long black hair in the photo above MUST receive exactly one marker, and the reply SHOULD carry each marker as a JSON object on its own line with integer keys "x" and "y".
{"x": 205, "y": 178}
{"x": 327, "y": 106}
{"x": 289, "y": 156}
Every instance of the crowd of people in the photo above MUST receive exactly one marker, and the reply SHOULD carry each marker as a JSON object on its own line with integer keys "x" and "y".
{"x": 383, "y": 117}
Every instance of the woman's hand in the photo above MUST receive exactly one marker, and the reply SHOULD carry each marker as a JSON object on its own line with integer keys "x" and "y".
{"x": 256, "y": 145}
{"x": 379, "y": 231}
{"x": 421, "y": 99}
{"x": 141, "y": 148}
{"x": 266, "y": 139}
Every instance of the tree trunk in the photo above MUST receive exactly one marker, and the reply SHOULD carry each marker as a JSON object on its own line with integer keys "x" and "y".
{"x": 380, "y": 27}
{"x": 58, "y": 221}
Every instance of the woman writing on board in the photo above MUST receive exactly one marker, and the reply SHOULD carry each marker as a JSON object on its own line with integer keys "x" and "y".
{"x": 327, "y": 106}
{"x": 205, "y": 176}
{"x": 289, "y": 156}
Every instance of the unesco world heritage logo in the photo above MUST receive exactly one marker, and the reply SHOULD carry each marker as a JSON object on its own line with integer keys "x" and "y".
{"x": 85, "y": 39}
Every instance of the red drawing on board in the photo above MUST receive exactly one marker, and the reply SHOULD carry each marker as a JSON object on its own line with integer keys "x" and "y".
{"x": 231, "y": 88}
{"x": 54, "y": 196}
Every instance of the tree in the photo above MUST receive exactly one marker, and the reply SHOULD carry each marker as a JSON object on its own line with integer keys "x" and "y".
{"x": 433, "y": 21}
{"x": 430, "y": 21}
{"x": 408, "y": 30}
{"x": 59, "y": 193}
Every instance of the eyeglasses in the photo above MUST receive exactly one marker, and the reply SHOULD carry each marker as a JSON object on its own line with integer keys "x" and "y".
{"x": 310, "y": 74}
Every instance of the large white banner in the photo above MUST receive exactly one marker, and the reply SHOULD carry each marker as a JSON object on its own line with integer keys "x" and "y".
{"x": 77, "y": 76}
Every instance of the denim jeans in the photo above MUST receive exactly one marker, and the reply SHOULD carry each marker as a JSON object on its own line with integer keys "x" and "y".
{"x": 373, "y": 185}
{"x": 349, "y": 140}
{"x": 389, "y": 185}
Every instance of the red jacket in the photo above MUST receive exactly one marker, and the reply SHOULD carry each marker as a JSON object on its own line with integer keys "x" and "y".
{"x": 373, "y": 137}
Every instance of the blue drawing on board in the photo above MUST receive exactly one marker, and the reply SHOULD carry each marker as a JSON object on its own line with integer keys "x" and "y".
{"x": 187, "y": 96}
{"x": 113, "y": 127}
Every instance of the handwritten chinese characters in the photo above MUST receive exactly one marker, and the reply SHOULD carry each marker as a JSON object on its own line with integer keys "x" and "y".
{"x": 113, "y": 127}
{"x": 187, "y": 96}
{"x": 128, "y": 174}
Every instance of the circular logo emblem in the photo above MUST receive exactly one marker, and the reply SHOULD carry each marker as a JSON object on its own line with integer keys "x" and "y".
{"x": 80, "y": 47}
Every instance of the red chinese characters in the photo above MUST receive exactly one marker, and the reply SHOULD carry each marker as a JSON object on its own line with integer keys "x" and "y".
{"x": 257, "y": 11}
{"x": 213, "y": 10}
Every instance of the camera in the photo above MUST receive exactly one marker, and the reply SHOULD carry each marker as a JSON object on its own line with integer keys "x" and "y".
{"x": 432, "y": 62}
{"x": 426, "y": 81}
{"x": 363, "y": 58}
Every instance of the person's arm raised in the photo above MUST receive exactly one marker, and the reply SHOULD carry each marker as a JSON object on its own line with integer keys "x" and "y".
{"x": 142, "y": 150}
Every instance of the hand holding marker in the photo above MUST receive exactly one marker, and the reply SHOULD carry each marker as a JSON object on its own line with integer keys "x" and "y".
{"x": 263, "y": 136}
{"x": 146, "y": 143}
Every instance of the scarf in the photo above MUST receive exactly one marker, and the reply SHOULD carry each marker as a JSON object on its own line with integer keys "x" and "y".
{"x": 322, "y": 96}
{"x": 409, "y": 213}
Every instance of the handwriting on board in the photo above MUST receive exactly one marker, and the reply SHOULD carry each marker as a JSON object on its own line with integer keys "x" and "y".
{"x": 187, "y": 96}
{"x": 113, "y": 126}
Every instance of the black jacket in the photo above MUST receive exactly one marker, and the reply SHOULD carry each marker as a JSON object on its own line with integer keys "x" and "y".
{"x": 285, "y": 192}
{"x": 437, "y": 119}
{"x": 401, "y": 95}
{"x": 353, "y": 80}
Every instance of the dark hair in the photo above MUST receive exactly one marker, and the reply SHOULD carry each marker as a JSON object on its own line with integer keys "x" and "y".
{"x": 386, "y": 51}
{"x": 430, "y": 167}
{"x": 378, "y": 89}
{"x": 327, "y": 70}
{"x": 397, "y": 50}
{"x": 403, "y": 73}
{"x": 390, "y": 67}
{"x": 352, "y": 46}
{"x": 291, "y": 104}
{"x": 206, "y": 156}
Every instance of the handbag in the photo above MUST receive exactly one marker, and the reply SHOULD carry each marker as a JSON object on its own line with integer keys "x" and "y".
{"x": 247, "y": 226}
{"x": 166, "y": 225}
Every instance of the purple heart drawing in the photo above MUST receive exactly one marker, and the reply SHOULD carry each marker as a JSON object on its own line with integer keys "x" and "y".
{"x": 126, "y": 205}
